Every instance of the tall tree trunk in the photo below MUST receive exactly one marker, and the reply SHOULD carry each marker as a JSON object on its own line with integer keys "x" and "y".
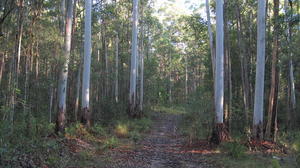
{"x": 141, "y": 56}
{"x": 117, "y": 70}
{"x": 272, "y": 110}
{"x": 219, "y": 77}
{"x": 60, "y": 122}
{"x": 16, "y": 61}
{"x": 244, "y": 65}
{"x": 260, "y": 72}
{"x": 227, "y": 68}
{"x": 20, "y": 35}
{"x": 78, "y": 86}
{"x": 186, "y": 78}
{"x": 86, "y": 117}
{"x": 106, "y": 86}
{"x": 133, "y": 70}
{"x": 220, "y": 132}
{"x": 142, "y": 72}
{"x": 26, "y": 88}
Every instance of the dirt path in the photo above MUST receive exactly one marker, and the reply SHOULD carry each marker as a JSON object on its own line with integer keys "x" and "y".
{"x": 161, "y": 148}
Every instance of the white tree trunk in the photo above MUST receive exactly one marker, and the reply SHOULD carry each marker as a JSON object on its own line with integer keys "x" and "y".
{"x": 62, "y": 93}
{"x": 186, "y": 78}
{"x": 20, "y": 35}
{"x": 219, "y": 76}
{"x": 117, "y": 70}
{"x": 292, "y": 80}
{"x": 106, "y": 66}
{"x": 260, "y": 71}
{"x": 134, "y": 53}
{"x": 78, "y": 85}
{"x": 142, "y": 70}
{"x": 87, "y": 63}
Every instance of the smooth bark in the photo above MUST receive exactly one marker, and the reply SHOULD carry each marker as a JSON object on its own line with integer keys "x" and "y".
{"x": 78, "y": 86}
{"x": 134, "y": 53}
{"x": 219, "y": 77}
{"x": 260, "y": 72}
{"x": 86, "y": 117}
{"x": 117, "y": 70}
{"x": 186, "y": 78}
{"x": 62, "y": 92}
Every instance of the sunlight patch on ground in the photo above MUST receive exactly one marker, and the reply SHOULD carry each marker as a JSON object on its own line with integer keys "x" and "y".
{"x": 169, "y": 110}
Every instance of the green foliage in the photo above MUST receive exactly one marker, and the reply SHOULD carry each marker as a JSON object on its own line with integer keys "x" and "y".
{"x": 74, "y": 129}
{"x": 98, "y": 130}
{"x": 141, "y": 125}
{"x": 296, "y": 146}
{"x": 174, "y": 109}
{"x": 135, "y": 136}
{"x": 234, "y": 149}
{"x": 110, "y": 143}
{"x": 275, "y": 163}
{"x": 197, "y": 120}
{"x": 291, "y": 140}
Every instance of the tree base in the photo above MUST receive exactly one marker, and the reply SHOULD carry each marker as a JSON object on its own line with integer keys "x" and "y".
{"x": 86, "y": 117}
{"x": 220, "y": 134}
{"x": 257, "y": 132}
{"x": 134, "y": 112}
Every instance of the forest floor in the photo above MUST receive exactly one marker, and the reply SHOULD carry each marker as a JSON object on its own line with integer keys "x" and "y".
{"x": 157, "y": 141}
{"x": 163, "y": 147}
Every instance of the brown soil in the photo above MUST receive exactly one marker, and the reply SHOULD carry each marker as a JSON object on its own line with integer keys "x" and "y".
{"x": 163, "y": 147}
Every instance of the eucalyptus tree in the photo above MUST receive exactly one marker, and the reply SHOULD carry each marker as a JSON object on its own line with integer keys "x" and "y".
{"x": 260, "y": 72}
{"x": 134, "y": 53}
{"x": 117, "y": 69}
{"x": 220, "y": 132}
{"x": 86, "y": 117}
{"x": 142, "y": 65}
{"x": 62, "y": 91}
{"x": 271, "y": 127}
{"x": 219, "y": 77}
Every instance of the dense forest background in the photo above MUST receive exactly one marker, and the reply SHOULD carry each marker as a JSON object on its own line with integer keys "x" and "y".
{"x": 177, "y": 51}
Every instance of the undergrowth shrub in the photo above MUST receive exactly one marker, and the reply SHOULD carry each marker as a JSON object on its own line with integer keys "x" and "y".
{"x": 291, "y": 139}
{"x": 121, "y": 129}
{"x": 275, "y": 163}
{"x": 98, "y": 130}
{"x": 234, "y": 149}
{"x": 110, "y": 143}
{"x": 135, "y": 136}
{"x": 197, "y": 120}
{"x": 141, "y": 125}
